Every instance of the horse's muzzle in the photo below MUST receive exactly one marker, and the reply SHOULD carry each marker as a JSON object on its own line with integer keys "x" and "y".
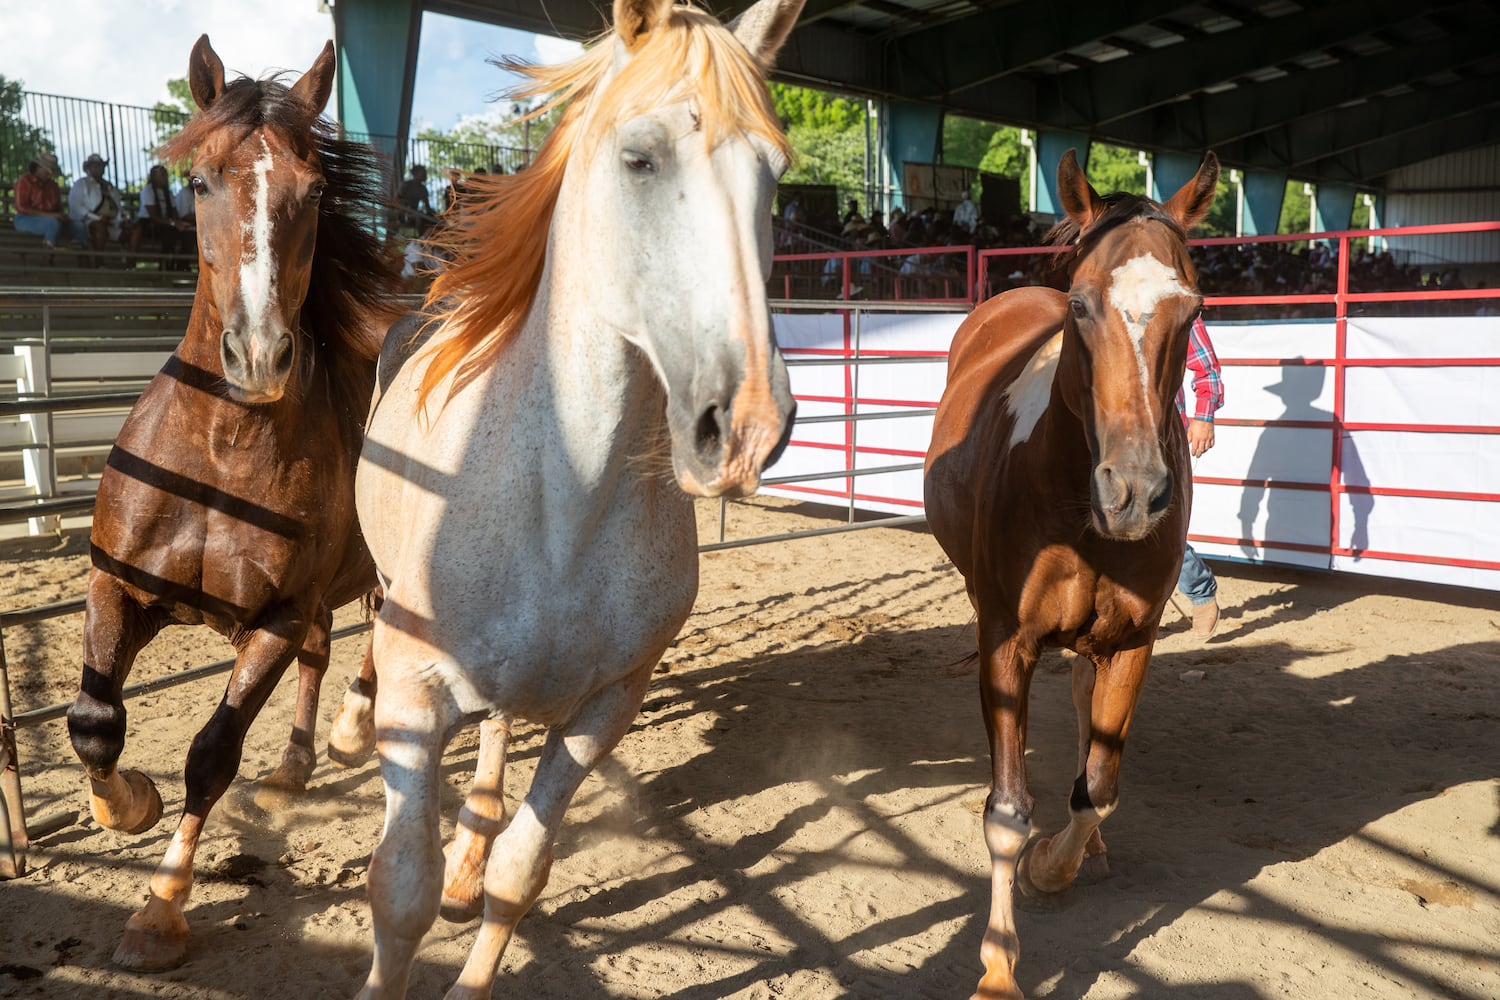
{"x": 1129, "y": 500}
{"x": 257, "y": 366}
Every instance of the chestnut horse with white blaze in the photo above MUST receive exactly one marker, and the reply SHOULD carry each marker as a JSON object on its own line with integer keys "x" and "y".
{"x": 1058, "y": 482}
{"x": 228, "y": 499}
{"x": 606, "y": 306}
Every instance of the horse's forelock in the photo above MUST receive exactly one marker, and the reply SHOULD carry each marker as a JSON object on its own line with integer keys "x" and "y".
{"x": 1120, "y": 207}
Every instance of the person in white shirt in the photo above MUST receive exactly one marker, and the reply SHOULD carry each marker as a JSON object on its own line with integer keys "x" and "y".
{"x": 157, "y": 218}
{"x": 94, "y": 204}
{"x": 966, "y": 214}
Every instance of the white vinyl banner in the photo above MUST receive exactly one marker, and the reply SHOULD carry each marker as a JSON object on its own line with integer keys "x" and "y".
{"x": 1263, "y": 493}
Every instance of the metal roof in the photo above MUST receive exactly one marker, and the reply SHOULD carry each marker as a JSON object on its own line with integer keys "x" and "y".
{"x": 1338, "y": 91}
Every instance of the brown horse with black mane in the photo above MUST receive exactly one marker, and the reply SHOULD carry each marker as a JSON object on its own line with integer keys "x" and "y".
{"x": 228, "y": 499}
{"x": 1058, "y": 483}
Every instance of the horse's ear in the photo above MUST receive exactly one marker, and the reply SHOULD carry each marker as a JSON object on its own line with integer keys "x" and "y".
{"x": 1191, "y": 204}
{"x": 635, "y": 19}
{"x": 316, "y": 84}
{"x": 205, "y": 74}
{"x": 1079, "y": 199}
{"x": 764, "y": 27}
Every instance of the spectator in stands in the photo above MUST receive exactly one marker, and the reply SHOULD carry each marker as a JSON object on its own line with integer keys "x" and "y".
{"x": 187, "y": 204}
{"x": 415, "y": 201}
{"x": 792, "y": 213}
{"x": 1196, "y": 581}
{"x": 95, "y": 205}
{"x": 851, "y": 213}
{"x": 158, "y": 218}
{"x": 39, "y": 203}
{"x": 966, "y": 214}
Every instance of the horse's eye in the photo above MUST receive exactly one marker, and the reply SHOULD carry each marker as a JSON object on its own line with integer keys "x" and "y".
{"x": 1079, "y": 309}
{"x": 196, "y": 183}
{"x": 639, "y": 163}
{"x": 316, "y": 191}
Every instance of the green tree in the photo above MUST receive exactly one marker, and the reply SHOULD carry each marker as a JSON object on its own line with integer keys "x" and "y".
{"x": 1115, "y": 168}
{"x": 480, "y": 140}
{"x": 827, "y": 133}
{"x": 1296, "y": 209}
{"x": 987, "y": 147}
{"x": 20, "y": 141}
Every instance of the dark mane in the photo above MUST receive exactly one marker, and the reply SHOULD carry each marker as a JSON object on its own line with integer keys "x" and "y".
{"x": 353, "y": 278}
{"x": 1119, "y": 208}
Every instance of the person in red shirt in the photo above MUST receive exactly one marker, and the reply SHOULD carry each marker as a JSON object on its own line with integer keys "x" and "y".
{"x": 39, "y": 205}
{"x": 1197, "y": 580}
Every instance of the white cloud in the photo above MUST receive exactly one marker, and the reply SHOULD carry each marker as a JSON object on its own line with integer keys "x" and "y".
{"x": 126, "y": 52}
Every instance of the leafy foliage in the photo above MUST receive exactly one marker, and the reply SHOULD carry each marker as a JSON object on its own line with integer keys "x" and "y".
{"x": 1296, "y": 209}
{"x": 828, "y": 133}
{"x": 168, "y": 117}
{"x": 985, "y": 146}
{"x": 20, "y": 141}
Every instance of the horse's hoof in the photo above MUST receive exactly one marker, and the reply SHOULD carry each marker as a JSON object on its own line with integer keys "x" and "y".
{"x": 351, "y": 741}
{"x": 151, "y": 950}
{"x": 461, "y": 911}
{"x": 294, "y": 772}
{"x": 350, "y": 758}
{"x": 463, "y": 894}
{"x": 144, "y": 809}
{"x": 1034, "y": 884}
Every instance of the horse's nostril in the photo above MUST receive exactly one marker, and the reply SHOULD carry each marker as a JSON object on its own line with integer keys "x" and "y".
{"x": 283, "y": 355}
{"x": 1161, "y": 496}
{"x": 233, "y": 358}
{"x": 708, "y": 436}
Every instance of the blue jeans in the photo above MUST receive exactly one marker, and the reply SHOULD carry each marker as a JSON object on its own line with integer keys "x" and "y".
{"x": 1196, "y": 580}
{"x": 52, "y": 230}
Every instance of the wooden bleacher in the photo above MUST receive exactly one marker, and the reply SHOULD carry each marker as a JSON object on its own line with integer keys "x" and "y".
{"x": 68, "y": 327}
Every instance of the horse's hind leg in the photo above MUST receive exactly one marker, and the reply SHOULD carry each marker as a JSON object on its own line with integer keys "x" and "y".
{"x": 482, "y": 819}
{"x": 156, "y": 937}
{"x": 351, "y": 741}
{"x": 1106, "y": 707}
{"x": 297, "y": 761}
{"x": 115, "y": 630}
{"x": 522, "y": 856}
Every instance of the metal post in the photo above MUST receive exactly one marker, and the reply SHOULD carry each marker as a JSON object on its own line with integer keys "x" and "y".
{"x": 854, "y": 412}
{"x": 13, "y": 839}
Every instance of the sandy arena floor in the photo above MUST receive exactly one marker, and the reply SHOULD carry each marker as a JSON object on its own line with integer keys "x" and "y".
{"x": 1309, "y": 806}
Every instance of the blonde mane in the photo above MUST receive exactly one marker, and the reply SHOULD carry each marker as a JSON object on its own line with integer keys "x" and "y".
{"x": 499, "y": 251}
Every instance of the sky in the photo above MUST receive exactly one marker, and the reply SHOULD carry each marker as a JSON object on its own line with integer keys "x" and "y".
{"x": 125, "y": 51}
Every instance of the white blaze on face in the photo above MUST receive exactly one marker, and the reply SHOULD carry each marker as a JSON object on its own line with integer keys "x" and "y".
{"x": 1135, "y": 287}
{"x": 257, "y": 275}
{"x": 1027, "y": 396}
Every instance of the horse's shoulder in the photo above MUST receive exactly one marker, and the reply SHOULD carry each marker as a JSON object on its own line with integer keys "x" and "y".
{"x": 1004, "y": 327}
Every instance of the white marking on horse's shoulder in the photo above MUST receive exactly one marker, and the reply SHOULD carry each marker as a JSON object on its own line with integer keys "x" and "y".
{"x": 1027, "y": 396}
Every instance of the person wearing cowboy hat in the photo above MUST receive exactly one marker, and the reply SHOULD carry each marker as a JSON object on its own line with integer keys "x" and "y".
{"x": 95, "y": 204}
{"x": 38, "y": 202}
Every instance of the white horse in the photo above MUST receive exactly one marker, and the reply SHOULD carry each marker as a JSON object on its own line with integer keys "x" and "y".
{"x": 607, "y": 304}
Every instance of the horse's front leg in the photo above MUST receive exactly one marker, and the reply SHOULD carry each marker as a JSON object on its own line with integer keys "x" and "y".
{"x": 1105, "y": 699}
{"x": 1005, "y": 683}
{"x": 115, "y": 630}
{"x": 479, "y": 823}
{"x": 156, "y": 937}
{"x": 522, "y": 855}
{"x": 297, "y": 761}
{"x": 412, "y": 720}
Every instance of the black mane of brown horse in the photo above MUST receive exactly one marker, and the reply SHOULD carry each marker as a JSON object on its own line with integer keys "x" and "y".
{"x": 239, "y": 515}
